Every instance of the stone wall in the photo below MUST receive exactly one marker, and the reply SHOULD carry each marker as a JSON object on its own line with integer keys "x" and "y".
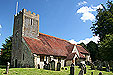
{"x": 68, "y": 62}
{"x": 30, "y": 24}
{"x": 27, "y": 56}
{"x": 16, "y": 41}
{"x": 25, "y": 24}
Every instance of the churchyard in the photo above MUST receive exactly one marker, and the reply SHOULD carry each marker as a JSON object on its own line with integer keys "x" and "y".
{"x": 63, "y": 71}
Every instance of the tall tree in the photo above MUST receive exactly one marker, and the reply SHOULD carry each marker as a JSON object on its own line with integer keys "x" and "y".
{"x": 104, "y": 21}
{"x": 106, "y": 48}
{"x": 6, "y": 52}
{"x": 83, "y": 45}
{"x": 103, "y": 27}
{"x": 92, "y": 47}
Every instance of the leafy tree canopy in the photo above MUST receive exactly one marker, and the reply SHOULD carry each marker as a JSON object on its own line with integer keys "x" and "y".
{"x": 6, "y": 52}
{"x": 104, "y": 21}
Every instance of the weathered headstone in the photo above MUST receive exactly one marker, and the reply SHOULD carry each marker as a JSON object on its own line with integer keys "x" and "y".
{"x": 99, "y": 66}
{"x": 100, "y": 73}
{"x": 45, "y": 66}
{"x": 87, "y": 63}
{"x": 7, "y": 68}
{"x": 92, "y": 66}
{"x": 84, "y": 68}
{"x": 80, "y": 65}
{"x": 107, "y": 68}
{"x": 81, "y": 71}
{"x": 112, "y": 68}
{"x": 58, "y": 66}
{"x": 38, "y": 66}
{"x": 48, "y": 66}
{"x": 53, "y": 65}
{"x": 72, "y": 69}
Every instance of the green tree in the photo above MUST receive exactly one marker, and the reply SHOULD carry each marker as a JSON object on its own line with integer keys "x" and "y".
{"x": 7, "y": 48}
{"x": 83, "y": 45}
{"x": 103, "y": 27}
{"x": 104, "y": 21}
{"x": 106, "y": 48}
{"x": 92, "y": 47}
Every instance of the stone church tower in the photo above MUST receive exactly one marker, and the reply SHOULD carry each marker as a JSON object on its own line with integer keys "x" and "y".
{"x": 25, "y": 24}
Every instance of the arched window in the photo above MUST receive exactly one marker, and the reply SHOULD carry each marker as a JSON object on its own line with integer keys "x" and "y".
{"x": 23, "y": 56}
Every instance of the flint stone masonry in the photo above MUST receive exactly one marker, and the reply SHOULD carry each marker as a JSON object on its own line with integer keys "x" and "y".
{"x": 25, "y": 24}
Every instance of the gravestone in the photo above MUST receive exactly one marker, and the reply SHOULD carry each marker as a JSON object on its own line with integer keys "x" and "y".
{"x": 96, "y": 62}
{"x": 84, "y": 68}
{"x": 81, "y": 71}
{"x": 53, "y": 65}
{"x": 58, "y": 66}
{"x": 38, "y": 66}
{"x": 100, "y": 73}
{"x": 48, "y": 66}
{"x": 72, "y": 69}
{"x": 45, "y": 66}
{"x": 107, "y": 68}
{"x": 87, "y": 63}
{"x": 92, "y": 66}
{"x": 7, "y": 68}
{"x": 80, "y": 65}
{"x": 112, "y": 68}
{"x": 104, "y": 64}
{"x": 99, "y": 66}
{"x": 91, "y": 73}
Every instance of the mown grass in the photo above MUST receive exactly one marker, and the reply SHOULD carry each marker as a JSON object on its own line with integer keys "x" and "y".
{"x": 34, "y": 71}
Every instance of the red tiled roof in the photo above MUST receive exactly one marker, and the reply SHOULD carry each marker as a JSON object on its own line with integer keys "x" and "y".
{"x": 81, "y": 55}
{"x": 49, "y": 45}
{"x": 81, "y": 49}
{"x": 70, "y": 56}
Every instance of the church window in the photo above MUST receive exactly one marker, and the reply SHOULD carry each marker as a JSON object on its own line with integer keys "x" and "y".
{"x": 41, "y": 58}
{"x": 31, "y": 21}
{"x": 16, "y": 33}
{"x": 23, "y": 56}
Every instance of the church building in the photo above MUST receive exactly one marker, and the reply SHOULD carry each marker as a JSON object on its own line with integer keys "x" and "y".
{"x": 30, "y": 48}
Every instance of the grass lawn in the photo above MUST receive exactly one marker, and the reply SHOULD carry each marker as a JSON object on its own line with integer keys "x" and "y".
{"x": 33, "y": 71}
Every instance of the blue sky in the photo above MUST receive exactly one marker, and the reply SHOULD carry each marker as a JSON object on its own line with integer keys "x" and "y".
{"x": 67, "y": 19}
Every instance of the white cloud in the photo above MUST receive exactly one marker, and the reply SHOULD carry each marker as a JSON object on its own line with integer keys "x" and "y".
{"x": 87, "y": 16}
{"x": 87, "y": 12}
{"x": 82, "y": 3}
{"x": 72, "y": 41}
{"x": 0, "y": 34}
{"x": 86, "y": 41}
{"x": 0, "y": 26}
{"x": 97, "y": 7}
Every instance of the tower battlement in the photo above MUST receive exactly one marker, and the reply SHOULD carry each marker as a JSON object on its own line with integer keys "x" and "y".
{"x": 27, "y": 12}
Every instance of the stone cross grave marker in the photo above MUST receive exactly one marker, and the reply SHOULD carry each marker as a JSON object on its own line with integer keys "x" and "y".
{"x": 7, "y": 68}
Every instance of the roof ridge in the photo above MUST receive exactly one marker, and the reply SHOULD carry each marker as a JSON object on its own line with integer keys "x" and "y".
{"x": 54, "y": 37}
